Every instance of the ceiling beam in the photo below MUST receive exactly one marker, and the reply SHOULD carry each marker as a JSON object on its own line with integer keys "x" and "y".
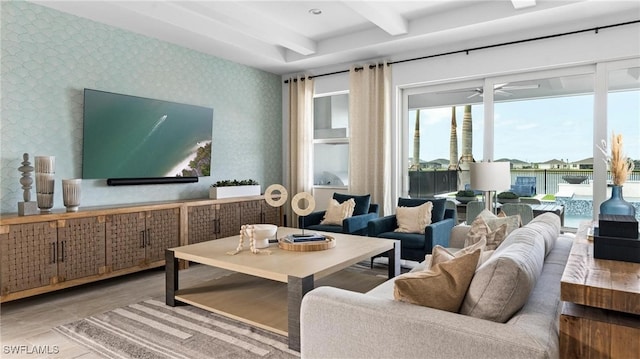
{"x": 248, "y": 21}
{"x": 521, "y": 4}
{"x": 382, "y": 16}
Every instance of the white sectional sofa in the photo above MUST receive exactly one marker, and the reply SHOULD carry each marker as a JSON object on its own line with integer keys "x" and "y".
{"x": 337, "y": 323}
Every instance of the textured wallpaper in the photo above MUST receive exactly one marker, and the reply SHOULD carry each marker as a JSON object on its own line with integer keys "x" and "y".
{"x": 49, "y": 57}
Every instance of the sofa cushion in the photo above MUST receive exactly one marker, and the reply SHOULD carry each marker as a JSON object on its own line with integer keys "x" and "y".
{"x": 502, "y": 285}
{"x": 548, "y": 224}
{"x": 362, "y": 202}
{"x": 413, "y": 219}
{"x": 442, "y": 287}
{"x": 479, "y": 229}
{"x": 337, "y": 212}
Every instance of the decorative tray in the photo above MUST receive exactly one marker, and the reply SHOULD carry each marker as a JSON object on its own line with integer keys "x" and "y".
{"x": 329, "y": 242}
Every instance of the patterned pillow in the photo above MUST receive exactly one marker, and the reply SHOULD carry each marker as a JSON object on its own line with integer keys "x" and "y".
{"x": 413, "y": 219}
{"x": 493, "y": 221}
{"x": 479, "y": 229}
{"x": 337, "y": 212}
{"x": 442, "y": 287}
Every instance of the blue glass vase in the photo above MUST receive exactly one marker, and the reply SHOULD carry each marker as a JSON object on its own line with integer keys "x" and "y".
{"x": 616, "y": 204}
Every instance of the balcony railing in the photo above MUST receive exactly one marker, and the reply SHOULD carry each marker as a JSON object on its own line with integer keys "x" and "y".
{"x": 547, "y": 180}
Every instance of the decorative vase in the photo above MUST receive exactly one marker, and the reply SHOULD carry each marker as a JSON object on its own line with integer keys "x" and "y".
{"x": 71, "y": 194}
{"x": 616, "y": 204}
{"x": 45, "y": 181}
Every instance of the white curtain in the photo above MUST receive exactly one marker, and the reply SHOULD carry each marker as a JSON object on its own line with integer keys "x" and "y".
{"x": 300, "y": 139}
{"x": 370, "y": 134}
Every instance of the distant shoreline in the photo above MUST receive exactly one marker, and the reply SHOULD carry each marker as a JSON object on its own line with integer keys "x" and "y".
{"x": 184, "y": 164}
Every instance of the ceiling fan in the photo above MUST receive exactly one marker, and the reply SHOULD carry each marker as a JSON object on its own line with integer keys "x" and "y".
{"x": 501, "y": 89}
{"x": 498, "y": 89}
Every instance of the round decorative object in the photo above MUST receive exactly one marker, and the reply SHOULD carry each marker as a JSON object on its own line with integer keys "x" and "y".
{"x": 276, "y": 202}
{"x": 262, "y": 233}
{"x": 616, "y": 204}
{"x": 329, "y": 242}
{"x": 295, "y": 203}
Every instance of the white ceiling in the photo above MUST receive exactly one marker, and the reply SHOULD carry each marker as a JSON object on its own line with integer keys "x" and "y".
{"x": 283, "y": 37}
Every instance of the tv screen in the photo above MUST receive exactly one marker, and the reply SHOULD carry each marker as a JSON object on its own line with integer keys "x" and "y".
{"x": 135, "y": 137}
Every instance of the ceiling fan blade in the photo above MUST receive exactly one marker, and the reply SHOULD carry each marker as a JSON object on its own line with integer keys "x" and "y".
{"x": 520, "y": 87}
{"x": 503, "y": 93}
{"x": 475, "y": 94}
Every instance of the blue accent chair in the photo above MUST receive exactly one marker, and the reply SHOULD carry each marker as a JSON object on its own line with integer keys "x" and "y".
{"x": 524, "y": 186}
{"x": 414, "y": 246}
{"x": 363, "y": 212}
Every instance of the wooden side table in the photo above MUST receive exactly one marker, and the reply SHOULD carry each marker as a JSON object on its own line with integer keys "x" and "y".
{"x": 601, "y": 311}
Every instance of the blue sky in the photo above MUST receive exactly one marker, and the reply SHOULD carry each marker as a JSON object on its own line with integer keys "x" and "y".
{"x": 533, "y": 130}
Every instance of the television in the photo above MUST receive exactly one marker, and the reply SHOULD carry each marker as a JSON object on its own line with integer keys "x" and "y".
{"x": 137, "y": 138}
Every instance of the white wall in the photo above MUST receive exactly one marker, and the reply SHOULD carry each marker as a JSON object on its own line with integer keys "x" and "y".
{"x": 561, "y": 52}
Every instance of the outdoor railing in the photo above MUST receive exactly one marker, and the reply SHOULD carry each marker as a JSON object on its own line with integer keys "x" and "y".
{"x": 547, "y": 180}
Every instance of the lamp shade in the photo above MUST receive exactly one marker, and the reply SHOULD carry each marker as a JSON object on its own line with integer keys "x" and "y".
{"x": 490, "y": 176}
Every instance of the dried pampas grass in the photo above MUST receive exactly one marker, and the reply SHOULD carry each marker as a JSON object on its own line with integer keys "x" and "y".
{"x": 620, "y": 165}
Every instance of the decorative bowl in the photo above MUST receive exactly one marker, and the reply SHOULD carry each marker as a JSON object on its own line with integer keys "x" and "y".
{"x": 574, "y": 179}
{"x": 262, "y": 233}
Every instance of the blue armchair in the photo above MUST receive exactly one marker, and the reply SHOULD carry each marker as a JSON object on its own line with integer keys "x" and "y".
{"x": 363, "y": 212}
{"x": 524, "y": 186}
{"x": 414, "y": 246}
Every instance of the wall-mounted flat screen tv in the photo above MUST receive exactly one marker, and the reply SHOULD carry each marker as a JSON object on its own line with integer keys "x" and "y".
{"x": 135, "y": 137}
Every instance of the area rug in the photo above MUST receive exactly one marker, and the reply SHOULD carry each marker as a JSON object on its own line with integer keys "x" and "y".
{"x": 151, "y": 329}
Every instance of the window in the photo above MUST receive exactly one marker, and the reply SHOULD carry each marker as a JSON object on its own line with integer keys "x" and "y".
{"x": 331, "y": 140}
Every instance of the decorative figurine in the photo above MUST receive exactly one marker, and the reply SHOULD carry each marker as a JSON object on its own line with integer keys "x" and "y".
{"x": 28, "y": 207}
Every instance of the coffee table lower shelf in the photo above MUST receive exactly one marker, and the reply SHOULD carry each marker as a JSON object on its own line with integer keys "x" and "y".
{"x": 262, "y": 302}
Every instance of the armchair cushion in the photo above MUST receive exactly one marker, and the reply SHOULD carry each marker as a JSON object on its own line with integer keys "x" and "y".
{"x": 362, "y": 202}
{"x": 337, "y": 212}
{"x": 414, "y": 219}
{"x": 437, "y": 212}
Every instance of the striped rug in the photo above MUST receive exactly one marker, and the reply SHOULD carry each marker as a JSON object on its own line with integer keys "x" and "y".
{"x": 151, "y": 329}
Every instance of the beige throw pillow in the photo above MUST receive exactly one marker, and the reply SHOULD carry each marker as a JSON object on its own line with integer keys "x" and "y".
{"x": 337, "y": 212}
{"x": 480, "y": 229}
{"x": 414, "y": 219}
{"x": 442, "y": 287}
{"x": 493, "y": 221}
{"x": 440, "y": 254}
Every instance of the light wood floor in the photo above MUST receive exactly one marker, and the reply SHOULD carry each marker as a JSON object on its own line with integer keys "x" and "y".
{"x": 28, "y": 322}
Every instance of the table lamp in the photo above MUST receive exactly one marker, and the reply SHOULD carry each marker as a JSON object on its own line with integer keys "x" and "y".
{"x": 490, "y": 177}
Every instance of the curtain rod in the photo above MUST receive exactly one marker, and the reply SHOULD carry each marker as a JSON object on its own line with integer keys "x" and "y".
{"x": 467, "y": 51}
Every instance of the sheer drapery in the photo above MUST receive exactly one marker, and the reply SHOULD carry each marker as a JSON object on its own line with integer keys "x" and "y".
{"x": 300, "y": 139}
{"x": 370, "y": 133}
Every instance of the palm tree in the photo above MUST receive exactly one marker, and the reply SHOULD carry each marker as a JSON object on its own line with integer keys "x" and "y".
{"x": 467, "y": 146}
{"x": 453, "y": 141}
{"x": 416, "y": 143}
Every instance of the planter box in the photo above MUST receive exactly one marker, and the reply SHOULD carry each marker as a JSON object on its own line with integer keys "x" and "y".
{"x": 233, "y": 191}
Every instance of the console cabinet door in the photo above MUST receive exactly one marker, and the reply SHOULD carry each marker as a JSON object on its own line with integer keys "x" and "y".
{"x": 251, "y": 212}
{"x": 270, "y": 215}
{"x": 202, "y": 223}
{"x": 27, "y": 256}
{"x": 228, "y": 220}
{"x": 125, "y": 240}
{"x": 81, "y": 247}
{"x": 162, "y": 232}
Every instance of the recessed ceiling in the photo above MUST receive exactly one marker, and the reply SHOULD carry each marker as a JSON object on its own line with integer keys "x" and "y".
{"x": 284, "y": 37}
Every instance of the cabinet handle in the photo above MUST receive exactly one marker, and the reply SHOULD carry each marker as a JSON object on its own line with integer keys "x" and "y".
{"x": 148, "y": 236}
{"x": 54, "y": 254}
{"x": 142, "y": 239}
{"x": 62, "y": 245}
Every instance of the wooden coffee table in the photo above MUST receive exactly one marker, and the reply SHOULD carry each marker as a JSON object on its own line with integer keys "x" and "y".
{"x": 255, "y": 294}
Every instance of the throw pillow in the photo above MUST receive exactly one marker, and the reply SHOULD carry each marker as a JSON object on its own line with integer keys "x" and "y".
{"x": 337, "y": 212}
{"x": 442, "y": 287}
{"x": 493, "y": 221}
{"x": 440, "y": 254}
{"x": 362, "y": 202}
{"x": 413, "y": 219}
{"x": 480, "y": 229}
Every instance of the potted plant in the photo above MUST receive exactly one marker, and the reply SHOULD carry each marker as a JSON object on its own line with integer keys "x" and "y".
{"x": 234, "y": 188}
{"x": 508, "y": 197}
{"x": 465, "y": 196}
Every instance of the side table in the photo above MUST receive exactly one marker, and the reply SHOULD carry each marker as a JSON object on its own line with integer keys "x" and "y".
{"x": 601, "y": 310}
